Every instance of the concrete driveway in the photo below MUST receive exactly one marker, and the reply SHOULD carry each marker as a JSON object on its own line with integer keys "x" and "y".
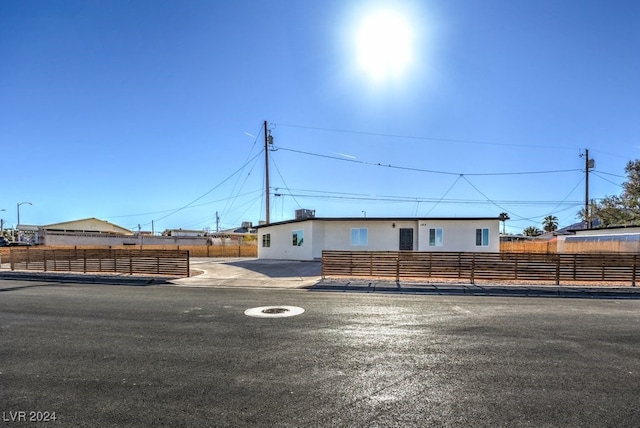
{"x": 243, "y": 272}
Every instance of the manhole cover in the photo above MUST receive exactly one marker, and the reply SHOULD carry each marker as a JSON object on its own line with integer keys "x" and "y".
{"x": 274, "y": 311}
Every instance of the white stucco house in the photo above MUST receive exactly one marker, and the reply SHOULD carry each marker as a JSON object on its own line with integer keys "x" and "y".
{"x": 305, "y": 239}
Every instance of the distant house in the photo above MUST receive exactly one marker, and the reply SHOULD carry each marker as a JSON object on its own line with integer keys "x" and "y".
{"x": 306, "y": 238}
{"x": 623, "y": 239}
{"x": 245, "y": 233}
{"x": 184, "y": 233}
{"x": 80, "y": 232}
{"x": 87, "y": 225}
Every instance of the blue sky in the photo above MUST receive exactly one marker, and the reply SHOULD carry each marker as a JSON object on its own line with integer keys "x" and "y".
{"x": 138, "y": 111}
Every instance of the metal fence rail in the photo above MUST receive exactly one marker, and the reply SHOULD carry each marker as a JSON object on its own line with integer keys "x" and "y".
{"x": 483, "y": 266}
{"x": 150, "y": 262}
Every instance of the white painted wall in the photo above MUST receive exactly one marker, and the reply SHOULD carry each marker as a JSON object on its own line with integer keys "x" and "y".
{"x": 460, "y": 235}
{"x": 282, "y": 241}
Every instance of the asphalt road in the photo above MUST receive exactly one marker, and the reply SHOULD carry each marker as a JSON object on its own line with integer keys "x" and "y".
{"x": 107, "y": 355}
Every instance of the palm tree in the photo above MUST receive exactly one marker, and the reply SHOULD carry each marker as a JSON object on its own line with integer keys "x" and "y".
{"x": 531, "y": 231}
{"x": 503, "y": 218}
{"x": 550, "y": 223}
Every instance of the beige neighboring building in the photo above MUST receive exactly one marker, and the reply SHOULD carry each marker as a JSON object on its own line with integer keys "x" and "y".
{"x": 88, "y": 225}
{"x": 88, "y": 231}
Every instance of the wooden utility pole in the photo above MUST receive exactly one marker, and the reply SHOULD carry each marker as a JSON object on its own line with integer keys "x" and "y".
{"x": 589, "y": 163}
{"x": 266, "y": 170}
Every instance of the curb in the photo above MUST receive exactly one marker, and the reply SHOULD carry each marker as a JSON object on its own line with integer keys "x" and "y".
{"x": 85, "y": 278}
{"x": 580, "y": 292}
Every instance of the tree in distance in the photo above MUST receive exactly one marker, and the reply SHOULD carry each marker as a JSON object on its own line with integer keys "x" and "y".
{"x": 531, "y": 231}
{"x": 550, "y": 223}
{"x": 623, "y": 209}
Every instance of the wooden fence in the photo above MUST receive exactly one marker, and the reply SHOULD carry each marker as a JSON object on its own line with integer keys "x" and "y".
{"x": 529, "y": 247}
{"x": 150, "y": 262}
{"x": 228, "y": 250}
{"x": 483, "y": 266}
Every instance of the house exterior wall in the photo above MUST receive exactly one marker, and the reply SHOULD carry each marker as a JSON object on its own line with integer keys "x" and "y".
{"x": 281, "y": 241}
{"x": 381, "y": 235}
{"x": 459, "y": 235}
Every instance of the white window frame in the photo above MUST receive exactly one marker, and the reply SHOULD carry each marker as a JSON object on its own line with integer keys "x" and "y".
{"x": 359, "y": 236}
{"x": 297, "y": 238}
{"x": 438, "y": 237}
{"x": 484, "y": 237}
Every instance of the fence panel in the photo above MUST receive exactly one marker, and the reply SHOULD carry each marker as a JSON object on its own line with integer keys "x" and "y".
{"x": 482, "y": 266}
{"x": 153, "y": 262}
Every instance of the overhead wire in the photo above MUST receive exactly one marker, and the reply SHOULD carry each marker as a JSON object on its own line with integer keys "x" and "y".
{"x": 426, "y": 170}
{"x": 444, "y": 195}
{"x": 208, "y": 191}
{"x": 411, "y": 137}
{"x": 255, "y": 141}
{"x": 283, "y": 180}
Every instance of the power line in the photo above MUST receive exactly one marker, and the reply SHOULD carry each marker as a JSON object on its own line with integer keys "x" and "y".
{"x": 208, "y": 191}
{"x": 425, "y": 170}
{"x": 602, "y": 178}
{"x": 410, "y": 137}
{"x": 443, "y": 196}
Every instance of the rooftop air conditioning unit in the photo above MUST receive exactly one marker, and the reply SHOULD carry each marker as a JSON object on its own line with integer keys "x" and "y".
{"x": 304, "y": 214}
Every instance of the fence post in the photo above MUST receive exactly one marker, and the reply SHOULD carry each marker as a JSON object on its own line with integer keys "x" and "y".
{"x": 515, "y": 265}
{"x": 188, "y": 263}
{"x": 473, "y": 267}
{"x": 130, "y": 263}
{"x": 558, "y": 269}
{"x": 84, "y": 259}
{"x": 397, "y": 267}
{"x": 633, "y": 275}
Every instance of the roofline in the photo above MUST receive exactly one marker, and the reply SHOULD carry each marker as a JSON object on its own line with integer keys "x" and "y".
{"x": 619, "y": 226}
{"x": 372, "y": 219}
{"x": 84, "y": 219}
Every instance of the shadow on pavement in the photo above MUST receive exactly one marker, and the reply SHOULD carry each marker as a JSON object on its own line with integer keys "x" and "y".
{"x": 279, "y": 268}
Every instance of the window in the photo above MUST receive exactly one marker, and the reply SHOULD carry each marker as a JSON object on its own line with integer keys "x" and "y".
{"x": 359, "y": 236}
{"x": 298, "y": 237}
{"x": 482, "y": 237}
{"x": 266, "y": 240}
{"x": 435, "y": 237}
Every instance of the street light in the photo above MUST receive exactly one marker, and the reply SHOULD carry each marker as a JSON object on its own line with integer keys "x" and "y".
{"x": 2, "y": 224}
{"x": 21, "y": 203}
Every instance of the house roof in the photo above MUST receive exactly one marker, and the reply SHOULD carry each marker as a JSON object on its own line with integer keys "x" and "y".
{"x": 91, "y": 224}
{"x": 375, "y": 219}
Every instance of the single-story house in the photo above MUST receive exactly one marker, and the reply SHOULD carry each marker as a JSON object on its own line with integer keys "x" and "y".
{"x": 306, "y": 238}
{"x": 87, "y": 231}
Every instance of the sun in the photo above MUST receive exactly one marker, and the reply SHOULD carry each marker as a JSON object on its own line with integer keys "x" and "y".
{"x": 384, "y": 44}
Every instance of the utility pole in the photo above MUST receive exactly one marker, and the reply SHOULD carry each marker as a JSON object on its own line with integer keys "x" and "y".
{"x": 217, "y": 222}
{"x": 589, "y": 163}
{"x": 268, "y": 139}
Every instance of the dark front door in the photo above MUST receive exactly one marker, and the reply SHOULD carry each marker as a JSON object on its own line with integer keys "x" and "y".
{"x": 406, "y": 239}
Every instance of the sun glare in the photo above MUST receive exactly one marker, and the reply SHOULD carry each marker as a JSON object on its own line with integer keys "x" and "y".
{"x": 384, "y": 45}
